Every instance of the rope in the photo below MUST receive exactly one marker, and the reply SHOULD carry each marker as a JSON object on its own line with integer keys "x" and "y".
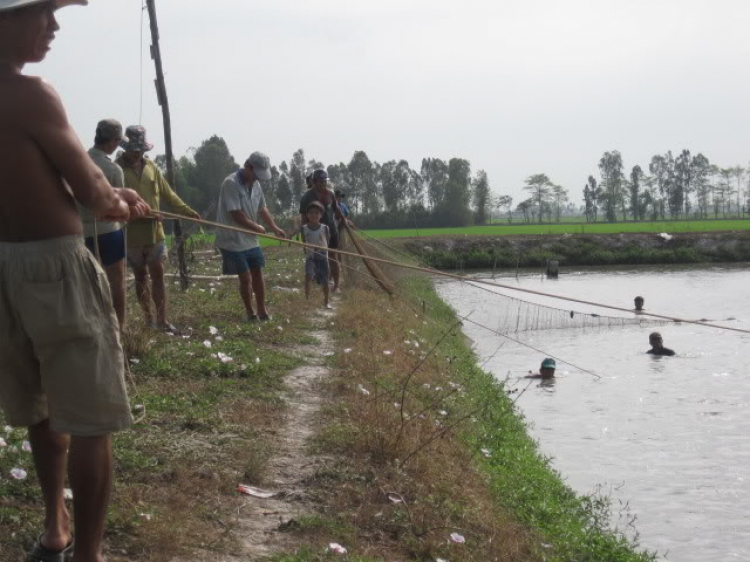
{"x": 451, "y": 275}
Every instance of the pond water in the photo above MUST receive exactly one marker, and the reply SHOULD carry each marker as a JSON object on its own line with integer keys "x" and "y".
{"x": 668, "y": 437}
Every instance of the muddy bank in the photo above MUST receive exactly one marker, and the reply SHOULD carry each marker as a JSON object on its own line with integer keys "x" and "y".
{"x": 579, "y": 249}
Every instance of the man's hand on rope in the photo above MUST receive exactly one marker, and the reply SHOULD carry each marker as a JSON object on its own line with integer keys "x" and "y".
{"x": 279, "y": 232}
{"x": 137, "y": 206}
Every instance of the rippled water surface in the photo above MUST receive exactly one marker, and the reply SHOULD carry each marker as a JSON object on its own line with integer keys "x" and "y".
{"x": 670, "y": 436}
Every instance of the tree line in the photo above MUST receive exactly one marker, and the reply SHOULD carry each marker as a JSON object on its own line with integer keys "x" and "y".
{"x": 446, "y": 192}
{"x": 387, "y": 195}
{"x": 675, "y": 187}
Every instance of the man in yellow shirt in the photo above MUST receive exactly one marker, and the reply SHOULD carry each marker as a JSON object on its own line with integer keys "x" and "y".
{"x": 146, "y": 250}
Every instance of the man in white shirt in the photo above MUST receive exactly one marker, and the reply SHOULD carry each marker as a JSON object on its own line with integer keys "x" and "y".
{"x": 242, "y": 204}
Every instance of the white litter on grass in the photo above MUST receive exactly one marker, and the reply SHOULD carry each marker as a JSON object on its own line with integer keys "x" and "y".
{"x": 212, "y": 291}
{"x": 395, "y": 498}
{"x": 336, "y": 548}
{"x": 329, "y": 354}
{"x": 207, "y": 344}
{"x": 146, "y": 516}
{"x": 134, "y": 361}
{"x": 68, "y": 494}
{"x": 213, "y": 330}
{"x": 666, "y": 236}
{"x": 363, "y": 390}
{"x": 19, "y": 473}
{"x": 8, "y": 429}
{"x": 279, "y": 328}
{"x": 26, "y": 446}
{"x": 387, "y": 352}
{"x": 255, "y": 492}
{"x": 257, "y": 360}
{"x": 443, "y": 413}
{"x": 440, "y": 560}
{"x": 458, "y": 539}
{"x": 486, "y": 453}
{"x": 224, "y": 358}
{"x": 219, "y": 338}
{"x": 3, "y": 443}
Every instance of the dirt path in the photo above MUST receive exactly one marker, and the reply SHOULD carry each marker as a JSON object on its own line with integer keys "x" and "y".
{"x": 260, "y": 521}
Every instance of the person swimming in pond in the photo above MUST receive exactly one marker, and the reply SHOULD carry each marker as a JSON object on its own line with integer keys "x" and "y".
{"x": 657, "y": 345}
{"x": 639, "y": 302}
{"x": 546, "y": 371}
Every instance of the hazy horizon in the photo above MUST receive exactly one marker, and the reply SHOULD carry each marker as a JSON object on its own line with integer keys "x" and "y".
{"x": 515, "y": 89}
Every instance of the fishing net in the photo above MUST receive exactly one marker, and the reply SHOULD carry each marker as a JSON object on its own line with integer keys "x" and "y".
{"x": 501, "y": 312}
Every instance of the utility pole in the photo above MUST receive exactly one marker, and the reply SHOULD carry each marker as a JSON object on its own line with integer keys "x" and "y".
{"x": 161, "y": 94}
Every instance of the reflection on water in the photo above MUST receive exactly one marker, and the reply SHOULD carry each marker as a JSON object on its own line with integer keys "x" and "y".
{"x": 668, "y": 435}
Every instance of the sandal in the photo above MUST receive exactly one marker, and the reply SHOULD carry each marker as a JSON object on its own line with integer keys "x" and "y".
{"x": 264, "y": 317}
{"x": 41, "y": 553}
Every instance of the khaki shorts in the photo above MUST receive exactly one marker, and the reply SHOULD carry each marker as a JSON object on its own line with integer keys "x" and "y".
{"x": 141, "y": 256}
{"x": 60, "y": 351}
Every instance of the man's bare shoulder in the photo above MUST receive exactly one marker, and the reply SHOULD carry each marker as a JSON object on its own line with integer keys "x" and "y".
{"x": 30, "y": 96}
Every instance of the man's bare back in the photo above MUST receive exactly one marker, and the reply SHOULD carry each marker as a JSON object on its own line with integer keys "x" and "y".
{"x": 39, "y": 151}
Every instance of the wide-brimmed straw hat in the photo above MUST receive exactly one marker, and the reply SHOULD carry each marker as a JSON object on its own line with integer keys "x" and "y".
{"x": 13, "y": 4}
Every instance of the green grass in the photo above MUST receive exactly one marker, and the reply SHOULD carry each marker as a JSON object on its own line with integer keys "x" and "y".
{"x": 585, "y": 228}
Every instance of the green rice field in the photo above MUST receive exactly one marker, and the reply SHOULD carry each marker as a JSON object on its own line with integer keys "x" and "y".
{"x": 670, "y": 227}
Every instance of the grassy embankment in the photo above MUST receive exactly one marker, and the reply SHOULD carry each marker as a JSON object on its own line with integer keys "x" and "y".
{"x": 519, "y": 229}
{"x": 426, "y": 444}
{"x": 421, "y": 443}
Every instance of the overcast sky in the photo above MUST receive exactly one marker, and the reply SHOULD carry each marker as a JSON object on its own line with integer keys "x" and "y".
{"x": 516, "y": 87}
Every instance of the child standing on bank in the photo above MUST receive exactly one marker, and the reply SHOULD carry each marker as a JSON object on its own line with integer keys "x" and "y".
{"x": 316, "y": 264}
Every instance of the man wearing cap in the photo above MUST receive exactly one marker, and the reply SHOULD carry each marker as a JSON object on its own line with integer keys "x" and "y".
{"x": 332, "y": 214}
{"x": 242, "y": 204}
{"x": 657, "y": 345}
{"x": 546, "y": 371}
{"x": 61, "y": 361}
{"x": 146, "y": 249}
{"x": 107, "y": 239}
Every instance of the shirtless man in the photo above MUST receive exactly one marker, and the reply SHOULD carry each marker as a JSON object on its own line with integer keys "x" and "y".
{"x": 61, "y": 362}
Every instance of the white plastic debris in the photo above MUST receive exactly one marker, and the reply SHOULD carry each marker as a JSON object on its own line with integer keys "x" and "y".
{"x": 363, "y": 390}
{"x": 68, "y": 494}
{"x": 224, "y": 358}
{"x": 219, "y": 339}
{"x": 26, "y": 446}
{"x": 486, "y": 453}
{"x": 336, "y": 548}
{"x": 213, "y": 330}
{"x": 348, "y": 350}
{"x": 395, "y": 498}
{"x": 134, "y": 361}
{"x": 257, "y": 360}
{"x": 665, "y": 236}
{"x": 457, "y": 539}
{"x": 3, "y": 443}
{"x": 255, "y": 492}
{"x": 387, "y": 352}
{"x": 207, "y": 344}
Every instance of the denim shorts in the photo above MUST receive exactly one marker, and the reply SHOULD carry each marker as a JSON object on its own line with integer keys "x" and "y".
{"x": 235, "y": 263}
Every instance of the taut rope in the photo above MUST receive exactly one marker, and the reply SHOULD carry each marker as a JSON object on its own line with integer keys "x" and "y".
{"x": 451, "y": 275}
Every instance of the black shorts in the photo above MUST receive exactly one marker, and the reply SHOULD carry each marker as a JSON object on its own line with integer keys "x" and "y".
{"x": 334, "y": 241}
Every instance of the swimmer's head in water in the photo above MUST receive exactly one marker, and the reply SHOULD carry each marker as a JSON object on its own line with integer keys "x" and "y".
{"x": 639, "y": 303}
{"x": 656, "y": 340}
{"x": 547, "y": 370}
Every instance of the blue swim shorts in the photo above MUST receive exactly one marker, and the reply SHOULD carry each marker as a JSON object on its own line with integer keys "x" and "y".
{"x": 111, "y": 247}
{"x": 235, "y": 263}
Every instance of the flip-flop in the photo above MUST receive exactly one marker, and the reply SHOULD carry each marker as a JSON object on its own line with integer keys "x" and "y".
{"x": 41, "y": 553}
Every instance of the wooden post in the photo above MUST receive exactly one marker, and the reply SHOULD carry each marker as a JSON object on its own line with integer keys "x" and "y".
{"x": 161, "y": 94}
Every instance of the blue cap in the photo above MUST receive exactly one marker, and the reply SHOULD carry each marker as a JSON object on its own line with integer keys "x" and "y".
{"x": 549, "y": 364}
